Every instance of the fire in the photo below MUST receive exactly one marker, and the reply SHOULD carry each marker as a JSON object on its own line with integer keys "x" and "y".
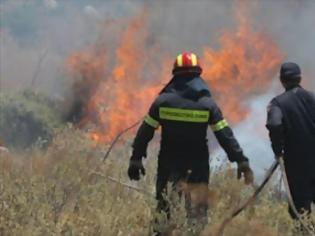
{"x": 114, "y": 97}
{"x": 245, "y": 65}
{"x": 95, "y": 137}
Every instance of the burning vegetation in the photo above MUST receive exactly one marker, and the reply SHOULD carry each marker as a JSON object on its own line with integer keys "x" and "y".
{"x": 114, "y": 88}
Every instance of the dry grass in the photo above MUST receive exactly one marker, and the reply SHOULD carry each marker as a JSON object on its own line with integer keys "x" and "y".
{"x": 56, "y": 193}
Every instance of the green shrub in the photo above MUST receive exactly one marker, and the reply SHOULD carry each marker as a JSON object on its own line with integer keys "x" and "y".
{"x": 26, "y": 119}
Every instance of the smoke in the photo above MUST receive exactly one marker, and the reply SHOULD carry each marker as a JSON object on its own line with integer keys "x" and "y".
{"x": 253, "y": 135}
{"x": 91, "y": 11}
{"x": 30, "y": 27}
{"x": 51, "y": 3}
{"x": 290, "y": 23}
{"x": 37, "y": 37}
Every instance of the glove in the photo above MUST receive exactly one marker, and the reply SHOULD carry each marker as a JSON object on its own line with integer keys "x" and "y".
{"x": 135, "y": 168}
{"x": 243, "y": 169}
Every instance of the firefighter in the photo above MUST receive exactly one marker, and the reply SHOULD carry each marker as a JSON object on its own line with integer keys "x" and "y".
{"x": 291, "y": 125}
{"x": 184, "y": 109}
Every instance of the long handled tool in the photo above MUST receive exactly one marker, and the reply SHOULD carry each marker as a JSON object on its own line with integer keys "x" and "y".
{"x": 259, "y": 189}
{"x": 118, "y": 136}
{"x": 128, "y": 186}
{"x": 238, "y": 210}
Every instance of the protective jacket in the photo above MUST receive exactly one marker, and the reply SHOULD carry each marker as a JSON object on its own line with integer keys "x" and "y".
{"x": 184, "y": 110}
{"x": 291, "y": 122}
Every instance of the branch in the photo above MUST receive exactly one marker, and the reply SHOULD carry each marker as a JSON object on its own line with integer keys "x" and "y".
{"x": 38, "y": 67}
{"x": 140, "y": 190}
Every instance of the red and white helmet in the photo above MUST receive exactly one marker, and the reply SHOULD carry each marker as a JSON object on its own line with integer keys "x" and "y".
{"x": 186, "y": 62}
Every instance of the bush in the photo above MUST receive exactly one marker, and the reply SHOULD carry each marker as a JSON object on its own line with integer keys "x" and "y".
{"x": 26, "y": 119}
{"x": 66, "y": 190}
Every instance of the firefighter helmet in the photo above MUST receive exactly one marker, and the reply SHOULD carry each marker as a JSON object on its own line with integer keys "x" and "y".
{"x": 186, "y": 63}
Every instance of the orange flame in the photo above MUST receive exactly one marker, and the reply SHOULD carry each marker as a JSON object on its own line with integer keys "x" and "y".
{"x": 95, "y": 137}
{"x": 115, "y": 97}
{"x": 245, "y": 65}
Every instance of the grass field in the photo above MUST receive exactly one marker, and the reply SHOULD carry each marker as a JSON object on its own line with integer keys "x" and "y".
{"x": 65, "y": 190}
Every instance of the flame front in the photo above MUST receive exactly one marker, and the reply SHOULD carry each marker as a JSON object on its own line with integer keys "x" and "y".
{"x": 113, "y": 97}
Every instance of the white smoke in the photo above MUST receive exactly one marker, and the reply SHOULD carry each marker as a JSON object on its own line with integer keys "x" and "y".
{"x": 174, "y": 25}
{"x": 30, "y": 28}
{"x": 53, "y": 4}
{"x": 252, "y": 136}
{"x": 91, "y": 11}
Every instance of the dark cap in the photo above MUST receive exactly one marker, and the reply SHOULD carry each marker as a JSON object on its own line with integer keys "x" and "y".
{"x": 290, "y": 70}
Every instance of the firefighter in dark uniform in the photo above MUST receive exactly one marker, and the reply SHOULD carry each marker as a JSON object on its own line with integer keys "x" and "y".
{"x": 184, "y": 109}
{"x": 291, "y": 125}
